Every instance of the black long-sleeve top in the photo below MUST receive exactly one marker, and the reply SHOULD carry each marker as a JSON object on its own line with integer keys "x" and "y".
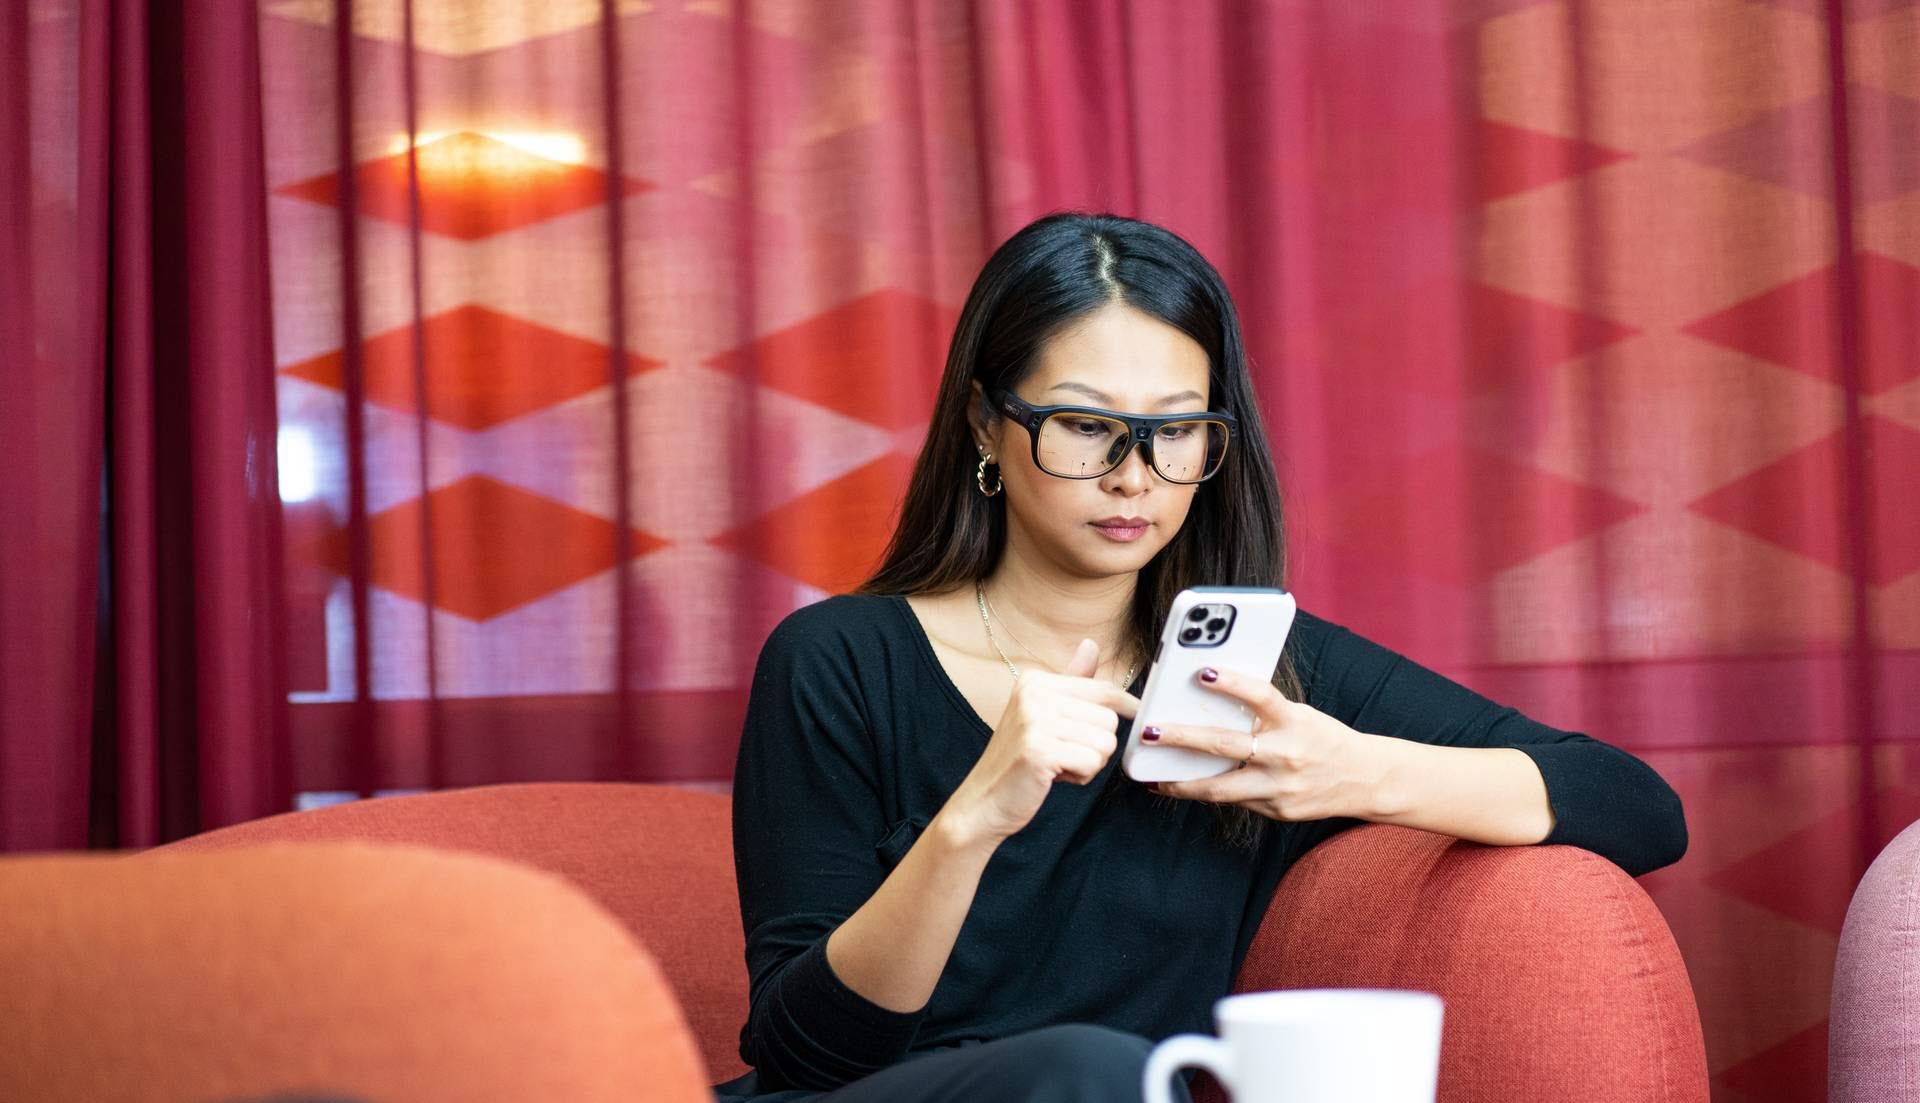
{"x": 1113, "y": 906}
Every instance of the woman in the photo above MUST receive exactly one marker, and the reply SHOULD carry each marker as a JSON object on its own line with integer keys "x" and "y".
{"x": 929, "y": 913}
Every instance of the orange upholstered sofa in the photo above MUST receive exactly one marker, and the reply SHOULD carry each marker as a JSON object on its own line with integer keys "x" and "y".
{"x": 1561, "y": 978}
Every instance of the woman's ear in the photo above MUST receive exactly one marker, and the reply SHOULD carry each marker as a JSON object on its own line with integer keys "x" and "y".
{"x": 979, "y": 420}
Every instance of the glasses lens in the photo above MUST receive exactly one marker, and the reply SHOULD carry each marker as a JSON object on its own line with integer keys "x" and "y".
{"x": 1189, "y": 451}
{"x": 1080, "y": 446}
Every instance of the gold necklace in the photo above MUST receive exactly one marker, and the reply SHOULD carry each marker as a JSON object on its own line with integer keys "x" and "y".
{"x": 980, "y": 598}
{"x": 1007, "y": 628}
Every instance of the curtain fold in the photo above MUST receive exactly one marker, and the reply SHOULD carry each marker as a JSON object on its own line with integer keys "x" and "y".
{"x": 52, "y": 181}
{"x": 147, "y": 700}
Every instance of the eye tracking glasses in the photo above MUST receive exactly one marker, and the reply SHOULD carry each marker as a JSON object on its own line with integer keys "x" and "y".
{"x": 1086, "y": 442}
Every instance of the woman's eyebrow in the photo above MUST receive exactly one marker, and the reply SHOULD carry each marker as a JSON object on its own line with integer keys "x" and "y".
{"x": 1106, "y": 399}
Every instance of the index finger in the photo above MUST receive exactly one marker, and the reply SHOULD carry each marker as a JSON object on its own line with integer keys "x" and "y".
{"x": 1257, "y": 694}
{"x": 1105, "y": 693}
{"x": 1098, "y": 690}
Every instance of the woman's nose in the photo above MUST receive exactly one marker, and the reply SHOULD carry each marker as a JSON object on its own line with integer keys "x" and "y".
{"x": 1134, "y": 473}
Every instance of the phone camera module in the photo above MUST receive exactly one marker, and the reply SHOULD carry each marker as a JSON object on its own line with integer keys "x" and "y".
{"x": 1207, "y": 624}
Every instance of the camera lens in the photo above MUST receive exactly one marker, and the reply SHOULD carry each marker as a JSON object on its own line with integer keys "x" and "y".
{"x": 1188, "y": 635}
{"x": 1198, "y": 614}
{"x": 1216, "y": 624}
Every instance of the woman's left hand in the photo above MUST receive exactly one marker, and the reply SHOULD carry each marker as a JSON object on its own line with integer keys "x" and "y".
{"x": 1299, "y": 763}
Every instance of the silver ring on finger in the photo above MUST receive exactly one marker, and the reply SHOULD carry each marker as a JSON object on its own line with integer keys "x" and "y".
{"x": 1253, "y": 748}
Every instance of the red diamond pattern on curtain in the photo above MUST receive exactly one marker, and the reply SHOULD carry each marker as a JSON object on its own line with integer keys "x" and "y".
{"x": 1791, "y": 503}
{"x": 1793, "y": 324}
{"x": 494, "y": 547}
{"x": 483, "y": 368}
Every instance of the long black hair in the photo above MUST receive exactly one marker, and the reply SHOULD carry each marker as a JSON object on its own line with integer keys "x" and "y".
{"x": 1054, "y": 271}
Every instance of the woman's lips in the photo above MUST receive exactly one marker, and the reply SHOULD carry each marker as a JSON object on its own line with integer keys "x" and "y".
{"x": 1123, "y": 530}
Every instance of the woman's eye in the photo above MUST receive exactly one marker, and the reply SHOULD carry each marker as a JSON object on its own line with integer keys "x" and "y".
{"x": 1175, "y": 432}
{"x": 1091, "y": 427}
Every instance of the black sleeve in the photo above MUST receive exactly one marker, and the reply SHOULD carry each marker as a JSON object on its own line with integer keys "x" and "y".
{"x": 806, "y": 818}
{"x": 1603, "y": 799}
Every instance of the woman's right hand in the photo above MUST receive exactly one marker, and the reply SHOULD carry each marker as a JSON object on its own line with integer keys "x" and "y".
{"x": 1057, "y": 727}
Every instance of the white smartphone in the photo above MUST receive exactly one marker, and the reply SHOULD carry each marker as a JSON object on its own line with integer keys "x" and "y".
{"x": 1241, "y": 629}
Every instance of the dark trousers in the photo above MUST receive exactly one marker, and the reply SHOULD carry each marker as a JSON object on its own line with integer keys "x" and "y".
{"x": 1074, "y": 1063}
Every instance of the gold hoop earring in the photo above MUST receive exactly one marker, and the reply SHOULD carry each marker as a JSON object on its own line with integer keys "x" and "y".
{"x": 980, "y": 476}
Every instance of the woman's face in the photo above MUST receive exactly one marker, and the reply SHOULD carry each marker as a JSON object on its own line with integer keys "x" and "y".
{"x": 1116, "y": 358}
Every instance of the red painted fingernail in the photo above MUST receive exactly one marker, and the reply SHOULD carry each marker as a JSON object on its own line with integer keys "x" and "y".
{"x": 1149, "y": 734}
{"x": 1154, "y": 786}
{"x": 1209, "y": 674}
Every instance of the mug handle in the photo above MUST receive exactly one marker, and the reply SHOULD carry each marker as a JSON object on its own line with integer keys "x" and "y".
{"x": 1179, "y": 1052}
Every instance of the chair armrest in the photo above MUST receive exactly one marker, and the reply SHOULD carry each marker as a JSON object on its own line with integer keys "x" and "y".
{"x": 336, "y": 970}
{"x": 658, "y": 857}
{"x": 1561, "y": 978}
{"x": 1874, "y": 1033}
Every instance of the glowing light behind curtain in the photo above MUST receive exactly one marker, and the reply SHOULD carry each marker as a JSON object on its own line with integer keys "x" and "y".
{"x": 1587, "y": 339}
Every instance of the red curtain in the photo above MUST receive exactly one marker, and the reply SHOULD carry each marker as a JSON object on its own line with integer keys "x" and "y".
{"x": 142, "y": 666}
{"x": 1589, "y": 336}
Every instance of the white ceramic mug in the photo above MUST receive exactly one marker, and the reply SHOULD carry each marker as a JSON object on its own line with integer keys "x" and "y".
{"x": 1323, "y": 1045}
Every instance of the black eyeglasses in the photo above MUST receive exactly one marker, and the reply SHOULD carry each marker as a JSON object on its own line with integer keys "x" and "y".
{"x": 1086, "y": 442}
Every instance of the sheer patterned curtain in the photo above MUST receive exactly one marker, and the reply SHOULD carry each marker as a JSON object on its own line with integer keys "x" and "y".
{"x": 604, "y": 332}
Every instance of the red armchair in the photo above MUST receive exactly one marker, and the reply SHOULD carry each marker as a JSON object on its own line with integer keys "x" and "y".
{"x": 1562, "y": 980}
